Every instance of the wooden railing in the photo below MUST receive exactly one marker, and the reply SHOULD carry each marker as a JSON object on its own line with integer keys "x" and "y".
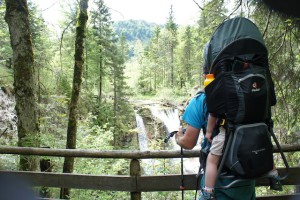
{"x": 134, "y": 182}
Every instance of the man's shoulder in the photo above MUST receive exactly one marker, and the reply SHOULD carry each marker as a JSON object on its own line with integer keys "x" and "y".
{"x": 197, "y": 103}
{"x": 200, "y": 92}
{"x": 200, "y": 95}
{"x": 199, "y": 98}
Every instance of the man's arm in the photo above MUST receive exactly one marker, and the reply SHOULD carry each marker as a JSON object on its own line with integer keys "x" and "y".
{"x": 188, "y": 140}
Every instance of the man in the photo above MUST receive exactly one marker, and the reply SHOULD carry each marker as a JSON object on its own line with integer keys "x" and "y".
{"x": 196, "y": 117}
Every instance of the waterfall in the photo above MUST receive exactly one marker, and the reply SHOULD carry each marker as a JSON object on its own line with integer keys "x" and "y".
{"x": 142, "y": 134}
{"x": 170, "y": 119}
{"x": 143, "y": 144}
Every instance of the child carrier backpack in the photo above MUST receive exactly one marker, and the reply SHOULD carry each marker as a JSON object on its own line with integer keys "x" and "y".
{"x": 243, "y": 92}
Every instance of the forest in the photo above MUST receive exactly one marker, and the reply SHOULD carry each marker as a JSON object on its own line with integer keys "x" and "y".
{"x": 76, "y": 86}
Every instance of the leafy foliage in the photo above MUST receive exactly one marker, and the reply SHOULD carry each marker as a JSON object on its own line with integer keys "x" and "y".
{"x": 138, "y": 59}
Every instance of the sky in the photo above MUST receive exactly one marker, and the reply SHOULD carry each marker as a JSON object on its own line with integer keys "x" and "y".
{"x": 185, "y": 11}
{"x": 157, "y": 11}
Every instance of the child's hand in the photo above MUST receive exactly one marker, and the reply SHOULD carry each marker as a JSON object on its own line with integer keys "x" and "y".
{"x": 208, "y": 136}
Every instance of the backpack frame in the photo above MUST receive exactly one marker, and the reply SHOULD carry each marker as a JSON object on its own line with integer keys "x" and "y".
{"x": 237, "y": 55}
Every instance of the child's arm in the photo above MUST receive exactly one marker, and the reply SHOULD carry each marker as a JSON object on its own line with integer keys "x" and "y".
{"x": 210, "y": 127}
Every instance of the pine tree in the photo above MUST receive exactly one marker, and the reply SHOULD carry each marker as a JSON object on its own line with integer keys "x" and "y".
{"x": 119, "y": 54}
{"x": 172, "y": 27}
{"x": 186, "y": 57}
{"x": 102, "y": 33}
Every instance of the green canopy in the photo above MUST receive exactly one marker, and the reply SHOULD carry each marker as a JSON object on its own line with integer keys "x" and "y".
{"x": 236, "y": 36}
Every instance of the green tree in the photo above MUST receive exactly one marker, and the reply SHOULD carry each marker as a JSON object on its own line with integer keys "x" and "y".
{"x": 172, "y": 27}
{"x": 102, "y": 33}
{"x": 119, "y": 54}
{"x": 5, "y": 51}
{"x": 284, "y": 64}
{"x": 155, "y": 56}
{"x": 186, "y": 57}
{"x": 77, "y": 80}
{"x": 211, "y": 16}
{"x": 24, "y": 78}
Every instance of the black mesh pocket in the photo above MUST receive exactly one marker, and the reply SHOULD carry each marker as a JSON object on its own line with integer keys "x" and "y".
{"x": 251, "y": 151}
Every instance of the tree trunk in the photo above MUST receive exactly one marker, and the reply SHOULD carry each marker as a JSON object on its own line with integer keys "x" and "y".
{"x": 115, "y": 103}
{"x": 77, "y": 81}
{"x": 100, "y": 66}
{"x": 86, "y": 64}
{"x": 24, "y": 78}
{"x": 172, "y": 64}
{"x": 100, "y": 81}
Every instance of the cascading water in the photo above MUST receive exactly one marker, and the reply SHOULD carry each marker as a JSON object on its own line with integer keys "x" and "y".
{"x": 170, "y": 118}
{"x": 143, "y": 143}
{"x": 142, "y": 136}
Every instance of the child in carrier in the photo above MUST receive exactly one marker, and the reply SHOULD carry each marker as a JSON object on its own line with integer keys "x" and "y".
{"x": 215, "y": 154}
{"x": 213, "y": 157}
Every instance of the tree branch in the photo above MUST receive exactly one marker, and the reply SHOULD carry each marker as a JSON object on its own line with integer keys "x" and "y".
{"x": 61, "y": 39}
{"x": 237, "y": 6}
{"x": 3, "y": 132}
{"x": 198, "y": 5}
{"x": 282, "y": 43}
{"x": 267, "y": 25}
{"x": 50, "y": 6}
{"x": 201, "y": 8}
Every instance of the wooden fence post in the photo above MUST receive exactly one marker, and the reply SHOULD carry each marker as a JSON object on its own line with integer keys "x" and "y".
{"x": 45, "y": 166}
{"x": 135, "y": 170}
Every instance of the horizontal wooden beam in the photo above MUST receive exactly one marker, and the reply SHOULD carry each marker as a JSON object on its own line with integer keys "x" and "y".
{"x": 126, "y": 183}
{"x": 114, "y": 153}
{"x": 172, "y": 182}
{"x": 78, "y": 181}
{"x": 280, "y": 197}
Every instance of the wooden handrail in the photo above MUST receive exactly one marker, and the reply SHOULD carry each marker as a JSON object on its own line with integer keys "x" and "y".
{"x": 126, "y": 183}
{"x": 115, "y": 153}
{"x": 135, "y": 184}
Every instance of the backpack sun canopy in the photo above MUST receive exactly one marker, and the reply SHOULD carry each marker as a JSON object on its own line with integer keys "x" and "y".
{"x": 235, "y": 36}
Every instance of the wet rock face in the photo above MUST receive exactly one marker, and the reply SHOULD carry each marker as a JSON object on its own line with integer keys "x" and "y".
{"x": 156, "y": 121}
{"x": 8, "y": 117}
{"x": 154, "y": 128}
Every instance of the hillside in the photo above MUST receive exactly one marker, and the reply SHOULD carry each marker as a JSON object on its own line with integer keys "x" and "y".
{"x": 135, "y": 29}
